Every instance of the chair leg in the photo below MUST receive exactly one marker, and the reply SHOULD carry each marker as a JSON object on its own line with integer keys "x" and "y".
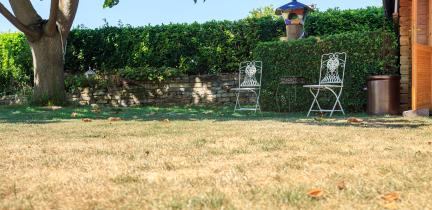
{"x": 237, "y": 106}
{"x": 342, "y": 109}
{"x": 314, "y": 101}
{"x": 340, "y": 104}
{"x": 278, "y": 103}
{"x": 318, "y": 104}
{"x": 257, "y": 105}
{"x": 311, "y": 107}
{"x": 337, "y": 102}
{"x": 256, "y": 101}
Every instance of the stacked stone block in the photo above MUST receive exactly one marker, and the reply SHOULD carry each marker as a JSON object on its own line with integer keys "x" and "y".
{"x": 187, "y": 90}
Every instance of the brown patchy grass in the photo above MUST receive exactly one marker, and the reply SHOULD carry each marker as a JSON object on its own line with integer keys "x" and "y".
{"x": 215, "y": 164}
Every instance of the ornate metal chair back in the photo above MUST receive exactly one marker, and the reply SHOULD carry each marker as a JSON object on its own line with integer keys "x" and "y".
{"x": 250, "y": 74}
{"x": 333, "y": 69}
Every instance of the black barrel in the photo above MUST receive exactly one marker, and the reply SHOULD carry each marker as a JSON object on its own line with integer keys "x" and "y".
{"x": 383, "y": 95}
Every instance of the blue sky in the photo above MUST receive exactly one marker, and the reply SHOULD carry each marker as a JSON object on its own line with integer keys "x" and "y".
{"x": 144, "y": 12}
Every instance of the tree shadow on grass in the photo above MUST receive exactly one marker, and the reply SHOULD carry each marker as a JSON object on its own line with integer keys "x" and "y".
{"x": 393, "y": 122}
{"x": 40, "y": 115}
{"x": 21, "y": 114}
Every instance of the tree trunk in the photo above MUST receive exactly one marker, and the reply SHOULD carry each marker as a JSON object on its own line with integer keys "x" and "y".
{"x": 48, "y": 70}
{"x": 46, "y": 43}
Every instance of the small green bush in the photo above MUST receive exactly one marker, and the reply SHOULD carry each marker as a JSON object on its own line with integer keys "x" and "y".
{"x": 15, "y": 63}
{"x": 149, "y": 73}
{"x": 74, "y": 82}
{"x": 369, "y": 53}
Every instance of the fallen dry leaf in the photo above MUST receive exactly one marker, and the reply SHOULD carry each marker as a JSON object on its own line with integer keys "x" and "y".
{"x": 316, "y": 193}
{"x": 355, "y": 120}
{"x": 391, "y": 197}
{"x": 87, "y": 120}
{"x": 74, "y": 114}
{"x": 53, "y": 108}
{"x": 341, "y": 185}
{"x": 114, "y": 119}
{"x": 391, "y": 205}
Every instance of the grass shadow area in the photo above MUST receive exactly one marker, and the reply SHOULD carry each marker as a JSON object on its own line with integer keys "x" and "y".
{"x": 40, "y": 115}
{"x": 389, "y": 122}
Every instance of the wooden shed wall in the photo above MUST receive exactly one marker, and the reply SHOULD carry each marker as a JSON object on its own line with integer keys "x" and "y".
{"x": 405, "y": 52}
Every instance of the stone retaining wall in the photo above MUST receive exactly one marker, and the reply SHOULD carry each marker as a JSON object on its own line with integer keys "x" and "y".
{"x": 205, "y": 89}
{"x": 12, "y": 100}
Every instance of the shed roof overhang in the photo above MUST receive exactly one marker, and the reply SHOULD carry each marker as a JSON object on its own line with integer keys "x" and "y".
{"x": 390, "y": 7}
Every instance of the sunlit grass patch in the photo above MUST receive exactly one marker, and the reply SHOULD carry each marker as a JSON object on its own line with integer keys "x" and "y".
{"x": 210, "y": 200}
{"x": 125, "y": 179}
{"x": 198, "y": 158}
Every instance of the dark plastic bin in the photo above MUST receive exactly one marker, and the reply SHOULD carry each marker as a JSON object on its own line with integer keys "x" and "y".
{"x": 383, "y": 95}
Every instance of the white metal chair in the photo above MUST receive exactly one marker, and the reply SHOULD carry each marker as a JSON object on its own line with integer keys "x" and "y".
{"x": 332, "y": 74}
{"x": 250, "y": 76}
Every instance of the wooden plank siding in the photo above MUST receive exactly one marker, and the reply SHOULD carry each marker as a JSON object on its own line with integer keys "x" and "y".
{"x": 421, "y": 55}
{"x": 405, "y": 52}
{"x": 422, "y": 68}
{"x": 422, "y": 22}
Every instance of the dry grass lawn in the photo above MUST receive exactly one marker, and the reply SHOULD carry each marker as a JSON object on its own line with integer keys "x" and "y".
{"x": 210, "y": 160}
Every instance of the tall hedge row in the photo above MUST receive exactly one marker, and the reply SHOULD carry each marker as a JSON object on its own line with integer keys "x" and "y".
{"x": 212, "y": 47}
{"x": 336, "y": 21}
{"x": 369, "y": 53}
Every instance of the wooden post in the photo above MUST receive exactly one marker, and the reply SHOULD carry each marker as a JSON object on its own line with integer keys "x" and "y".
{"x": 294, "y": 31}
{"x": 405, "y": 53}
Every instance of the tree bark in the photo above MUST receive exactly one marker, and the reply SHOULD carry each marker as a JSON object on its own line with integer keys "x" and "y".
{"x": 66, "y": 15}
{"x": 48, "y": 70}
{"x": 45, "y": 38}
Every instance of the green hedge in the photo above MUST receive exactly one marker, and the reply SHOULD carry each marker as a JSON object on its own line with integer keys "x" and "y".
{"x": 15, "y": 63}
{"x": 335, "y": 21}
{"x": 212, "y": 47}
{"x": 366, "y": 56}
{"x": 158, "y": 52}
